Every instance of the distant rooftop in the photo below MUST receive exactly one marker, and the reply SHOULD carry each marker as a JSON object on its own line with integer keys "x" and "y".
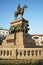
{"x": 3, "y": 29}
{"x": 37, "y": 34}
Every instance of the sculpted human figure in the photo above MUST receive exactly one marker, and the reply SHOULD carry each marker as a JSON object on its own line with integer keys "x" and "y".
{"x": 19, "y": 10}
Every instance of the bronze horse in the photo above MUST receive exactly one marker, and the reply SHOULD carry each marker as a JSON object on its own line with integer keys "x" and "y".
{"x": 20, "y": 10}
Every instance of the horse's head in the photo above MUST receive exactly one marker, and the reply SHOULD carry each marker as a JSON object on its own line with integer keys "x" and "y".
{"x": 25, "y": 6}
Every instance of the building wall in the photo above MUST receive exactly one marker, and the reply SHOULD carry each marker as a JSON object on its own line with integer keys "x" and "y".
{"x": 38, "y": 39}
{"x": 4, "y": 32}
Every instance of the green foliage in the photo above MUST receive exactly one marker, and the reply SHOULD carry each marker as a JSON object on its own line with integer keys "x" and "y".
{"x": 24, "y": 64}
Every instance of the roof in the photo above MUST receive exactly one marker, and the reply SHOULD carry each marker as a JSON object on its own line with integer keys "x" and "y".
{"x": 37, "y": 34}
{"x": 4, "y": 29}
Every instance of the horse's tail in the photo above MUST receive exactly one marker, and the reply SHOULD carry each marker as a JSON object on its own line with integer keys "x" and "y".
{"x": 15, "y": 14}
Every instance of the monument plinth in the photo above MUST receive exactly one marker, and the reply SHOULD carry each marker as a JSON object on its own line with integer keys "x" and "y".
{"x": 19, "y": 25}
{"x": 18, "y": 35}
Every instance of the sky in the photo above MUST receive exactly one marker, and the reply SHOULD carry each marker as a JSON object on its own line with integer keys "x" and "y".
{"x": 34, "y": 14}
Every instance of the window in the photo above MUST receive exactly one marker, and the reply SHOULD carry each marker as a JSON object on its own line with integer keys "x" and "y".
{"x": 41, "y": 38}
{"x": 36, "y": 37}
{"x": 0, "y": 31}
{"x": 6, "y": 32}
{"x": 3, "y": 33}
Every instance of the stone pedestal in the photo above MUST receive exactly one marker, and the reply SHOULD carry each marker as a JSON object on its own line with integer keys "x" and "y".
{"x": 18, "y": 37}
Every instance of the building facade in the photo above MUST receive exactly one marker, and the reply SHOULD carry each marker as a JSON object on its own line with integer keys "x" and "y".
{"x": 4, "y": 32}
{"x": 38, "y": 39}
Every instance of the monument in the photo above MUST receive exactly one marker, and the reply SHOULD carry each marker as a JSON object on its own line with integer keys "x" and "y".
{"x": 20, "y": 10}
{"x": 18, "y": 33}
{"x": 18, "y": 43}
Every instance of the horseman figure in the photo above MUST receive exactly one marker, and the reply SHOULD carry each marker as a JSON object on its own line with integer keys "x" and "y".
{"x": 18, "y": 8}
{"x": 19, "y": 11}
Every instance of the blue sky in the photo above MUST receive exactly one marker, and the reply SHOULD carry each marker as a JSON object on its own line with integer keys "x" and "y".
{"x": 34, "y": 14}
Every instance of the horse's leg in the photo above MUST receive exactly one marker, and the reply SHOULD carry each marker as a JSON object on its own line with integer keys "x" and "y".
{"x": 20, "y": 14}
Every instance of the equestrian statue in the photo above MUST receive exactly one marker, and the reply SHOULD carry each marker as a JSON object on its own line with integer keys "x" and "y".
{"x": 20, "y": 11}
